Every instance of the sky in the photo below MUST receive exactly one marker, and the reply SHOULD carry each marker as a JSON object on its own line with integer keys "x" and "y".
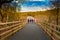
{"x": 35, "y": 5}
{"x": 40, "y": 0}
{"x": 36, "y": 0}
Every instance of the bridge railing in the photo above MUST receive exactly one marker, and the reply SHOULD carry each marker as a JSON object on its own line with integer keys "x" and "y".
{"x": 52, "y": 29}
{"x": 9, "y": 28}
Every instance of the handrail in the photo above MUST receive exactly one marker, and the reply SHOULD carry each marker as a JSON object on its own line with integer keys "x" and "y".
{"x": 8, "y": 31}
{"x": 51, "y": 24}
{"x": 7, "y": 27}
{"x": 53, "y": 32}
{"x": 11, "y": 28}
{"x": 9, "y": 22}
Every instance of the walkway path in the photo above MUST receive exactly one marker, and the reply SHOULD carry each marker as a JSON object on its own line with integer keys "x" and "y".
{"x": 31, "y": 32}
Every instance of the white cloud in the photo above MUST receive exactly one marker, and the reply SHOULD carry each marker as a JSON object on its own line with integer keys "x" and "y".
{"x": 37, "y": 0}
{"x": 34, "y": 9}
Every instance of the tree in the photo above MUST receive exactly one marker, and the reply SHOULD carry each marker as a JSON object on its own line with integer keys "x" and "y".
{"x": 4, "y": 8}
{"x": 1, "y": 3}
{"x": 56, "y": 3}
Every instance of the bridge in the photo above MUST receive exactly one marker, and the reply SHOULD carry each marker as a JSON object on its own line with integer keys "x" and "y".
{"x": 24, "y": 30}
{"x": 43, "y": 25}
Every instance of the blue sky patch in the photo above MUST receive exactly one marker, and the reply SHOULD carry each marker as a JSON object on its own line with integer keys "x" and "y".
{"x": 36, "y": 3}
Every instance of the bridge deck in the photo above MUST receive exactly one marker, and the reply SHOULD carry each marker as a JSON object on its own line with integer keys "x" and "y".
{"x": 31, "y": 32}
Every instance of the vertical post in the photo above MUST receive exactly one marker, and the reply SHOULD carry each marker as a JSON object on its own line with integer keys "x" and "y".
{"x": 57, "y": 15}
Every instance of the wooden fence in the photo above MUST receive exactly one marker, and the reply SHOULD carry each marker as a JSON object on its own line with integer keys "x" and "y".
{"x": 52, "y": 30}
{"x": 9, "y": 28}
